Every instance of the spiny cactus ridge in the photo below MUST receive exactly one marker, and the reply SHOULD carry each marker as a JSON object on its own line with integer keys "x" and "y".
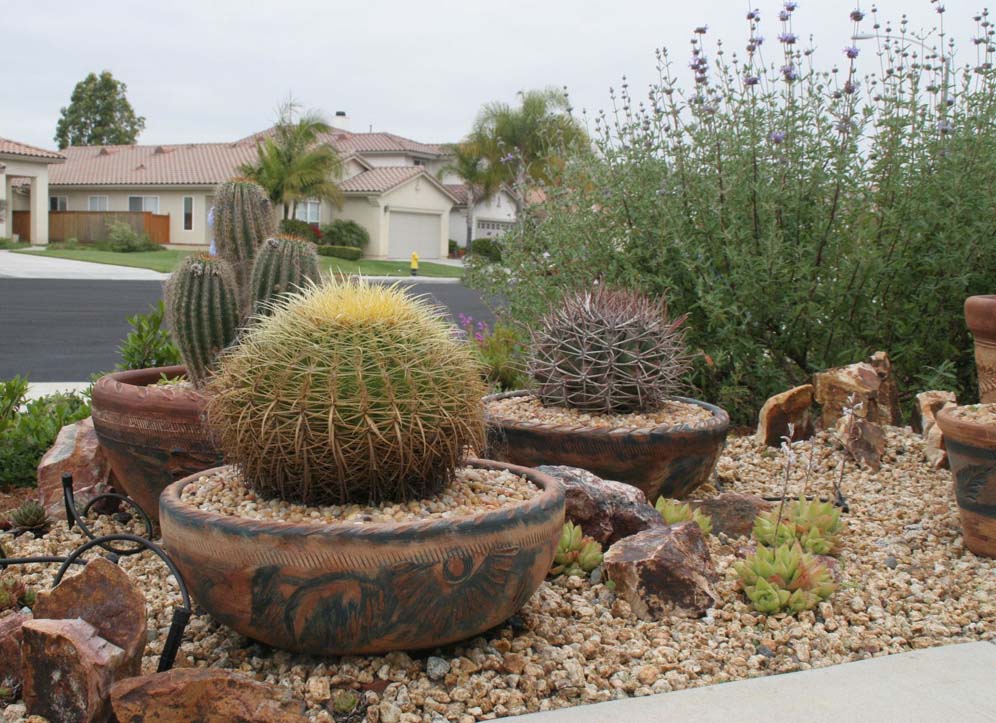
{"x": 243, "y": 219}
{"x": 283, "y": 263}
{"x": 608, "y": 350}
{"x": 203, "y": 312}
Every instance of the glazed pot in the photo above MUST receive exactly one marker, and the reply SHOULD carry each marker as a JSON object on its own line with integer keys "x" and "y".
{"x": 971, "y": 448}
{"x": 666, "y": 460}
{"x": 152, "y": 434}
{"x": 980, "y": 315}
{"x": 349, "y": 589}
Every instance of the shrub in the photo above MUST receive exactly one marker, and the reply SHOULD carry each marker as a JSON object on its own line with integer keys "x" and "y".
{"x": 454, "y": 247}
{"x": 299, "y": 228}
{"x": 349, "y": 253}
{"x": 801, "y": 217}
{"x": 500, "y": 351}
{"x": 148, "y": 344}
{"x": 8, "y": 243}
{"x": 487, "y": 249}
{"x": 121, "y": 237}
{"x": 349, "y": 392}
{"x": 345, "y": 233}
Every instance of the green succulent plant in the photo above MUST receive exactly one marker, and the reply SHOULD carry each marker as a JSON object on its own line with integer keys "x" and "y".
{"x": 243, "y": 220}
{"x": 674, "y": 511}
{"x": 30, "y": 517}
{"x": 784, "y": 579}
{"x": 608, "y": 350}
{"x": 577, "y": 554}
{"x": 815, "y": 525}
{"x": 283, "y": 263}
{"x": 14, "y": 594}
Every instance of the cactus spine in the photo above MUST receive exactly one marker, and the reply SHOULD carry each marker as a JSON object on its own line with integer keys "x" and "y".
{"x": 203, "y": 312}
{"x": 243, "y": 219}
{"x": 283, "y": 263}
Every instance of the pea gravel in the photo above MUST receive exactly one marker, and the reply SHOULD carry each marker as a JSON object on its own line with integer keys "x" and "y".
{"x": 527, "y": 408}
{"x": 907, "y": 583}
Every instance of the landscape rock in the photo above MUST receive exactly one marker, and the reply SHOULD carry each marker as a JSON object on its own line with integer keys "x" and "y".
{"x": 869, "y": 383}
{"x": 935, "y": 450}
{"x": 68, "y": 670}
{"x": 105, "y": 597}
{"x": 205, "y": 696}
{"x": 607, "y": 511}
{"x": 928, "y": 404}
{"x": 10, "y": 645}
{"x": 733, "y": 513}
{"x": 789, "y": 407}
{"x": 664, "y": 571}
{"x": 77, "y": 451}
{"x": 865, "y": 440}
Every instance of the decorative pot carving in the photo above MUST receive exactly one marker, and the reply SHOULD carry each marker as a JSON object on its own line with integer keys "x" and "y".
{"x": 980, "y": 315}
{"x": 971, "y": 448}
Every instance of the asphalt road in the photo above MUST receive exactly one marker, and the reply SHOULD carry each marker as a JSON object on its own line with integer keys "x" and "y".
{"x": 56, "y": 330}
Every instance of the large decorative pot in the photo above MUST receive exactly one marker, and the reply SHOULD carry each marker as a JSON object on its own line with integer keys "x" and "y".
{"x": 980, "y": 315}
{"x": 152, "y": 434}
{"x": 347, "y": 589}
{"x": 971, "y": 450}
{"x": 665, "y": 460}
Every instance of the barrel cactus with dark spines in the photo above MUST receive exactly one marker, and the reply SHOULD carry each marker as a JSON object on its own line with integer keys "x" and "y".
{"x": 283, "y": 263}
{"x": 610, "y": 351}
{"x": 243, "y": 219}
{"x": 203, "y": 312}
{"x": 348, "y": 392}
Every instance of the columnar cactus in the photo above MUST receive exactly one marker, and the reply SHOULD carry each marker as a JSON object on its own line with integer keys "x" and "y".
{"x": 203, "y": 312}
{"x": 608, "y": 350}
{"x": 283, "y": 263}
{"x": 243, "y": 219}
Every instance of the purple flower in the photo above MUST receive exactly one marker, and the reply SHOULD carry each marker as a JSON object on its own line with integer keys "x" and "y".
{"x": 758, "y": 40}
{"x": 851, "y": 52}
{"x": 789, "y": 73}
{"x": 788, "y": 38}
{"x": 754, "y": 14}
{"x": 751, "y": 80}
{"x": 508, "y": 158}
{"x": 944, "y": 126}
{"x": 784, "y": 15}
{"x": 776, "y": 137}
{"x": 857, "y": 16}
{"x": 851, "y": 86}
{"x": 790, "y": 6}
{"x": 940, "y": 9}
{"x": 701, "y": 29}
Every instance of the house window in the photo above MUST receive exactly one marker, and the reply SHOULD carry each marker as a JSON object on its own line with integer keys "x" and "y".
{"x": 419, "y": 162}
{"x": 143, "y": 203}
{"x": 309, "y": 211}
{"x": 96, "y": 203}
{"x": 58, "y": 203}
{"x": 188, "y": 213}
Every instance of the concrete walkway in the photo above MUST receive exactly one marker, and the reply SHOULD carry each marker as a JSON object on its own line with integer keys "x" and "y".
{"x": 950, "y": 683}
{"x": 35, "y": 266}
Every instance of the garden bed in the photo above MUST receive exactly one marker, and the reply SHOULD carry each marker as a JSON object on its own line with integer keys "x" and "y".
{"x": 907, "y": 582}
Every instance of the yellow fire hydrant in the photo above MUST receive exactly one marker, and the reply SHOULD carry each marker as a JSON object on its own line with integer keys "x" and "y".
{"x": 414, "y": 264}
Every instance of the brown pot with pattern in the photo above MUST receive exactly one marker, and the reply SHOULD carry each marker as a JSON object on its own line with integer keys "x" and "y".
{"x": 665, "y": 460}
{"x": 351, "y": 589}
{"x": 980, "y": 314}
{"x": 152, "y": 434}
{"x": 971, "y": 448}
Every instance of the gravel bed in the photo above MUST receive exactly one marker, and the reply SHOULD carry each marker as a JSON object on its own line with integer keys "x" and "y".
{"x": 908, "y": 583}
{"x": 978, "y": 413}
{"x": 472, "y": 491}
{"x": 528, "y": 408}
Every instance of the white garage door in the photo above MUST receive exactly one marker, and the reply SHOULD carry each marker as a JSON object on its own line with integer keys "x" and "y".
{"x": 409, "y": 232}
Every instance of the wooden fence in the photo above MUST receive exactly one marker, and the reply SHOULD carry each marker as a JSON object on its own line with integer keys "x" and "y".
{"x": 88, "y": 226}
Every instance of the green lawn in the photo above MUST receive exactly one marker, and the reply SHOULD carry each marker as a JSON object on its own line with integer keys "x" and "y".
{"x": 168, "y": 259}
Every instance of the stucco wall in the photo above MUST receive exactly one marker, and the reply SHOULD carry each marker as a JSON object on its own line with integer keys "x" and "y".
{"x": 500, "y": 208}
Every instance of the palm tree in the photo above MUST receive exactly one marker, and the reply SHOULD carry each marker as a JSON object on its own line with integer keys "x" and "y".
{"x": 293, "y": 163}
{"x": 526, "y": 141}
{"x": 482, "y": 178}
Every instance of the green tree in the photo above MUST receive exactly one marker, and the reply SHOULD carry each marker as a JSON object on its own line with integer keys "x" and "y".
{"x": 526, "y": 142}
{"x": 294, "y": 163}
{"x": 98, "y": 114}
{"x": 482, "y": 177}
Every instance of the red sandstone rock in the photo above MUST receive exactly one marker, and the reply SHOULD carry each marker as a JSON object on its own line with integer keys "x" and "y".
{"x": 864, "y": 440}
{"x": 10, "y": 645}
{"x": 789, "y": 407}
{"x": 205, "y": 696}
{"x": 869, "y": 383}
{"x": 733, "y": 513}
{"x": 77, "y": 451}
{"x": 664, "y": 571}
{"x": 928, "y": 404}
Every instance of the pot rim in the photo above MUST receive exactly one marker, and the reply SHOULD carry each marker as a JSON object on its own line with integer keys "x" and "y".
{"x": 138, "y": 384}
{"x": 718, "y": 422}
{"x": 551, "y": 495}
{"x": 965, "y": 431}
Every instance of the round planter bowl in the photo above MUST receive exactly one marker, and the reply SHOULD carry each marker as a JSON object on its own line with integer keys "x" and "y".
{"x": 152, "y": 434}
{"x": 350, "y": 589}
{"x": 972, "y": 454}
{"x": 666, "y": 460}
{"x": 980, "y": 315}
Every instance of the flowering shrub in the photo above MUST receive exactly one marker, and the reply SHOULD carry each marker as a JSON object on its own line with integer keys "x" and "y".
{"x": 803, "y": 217}
{"x": 500, "y": 350}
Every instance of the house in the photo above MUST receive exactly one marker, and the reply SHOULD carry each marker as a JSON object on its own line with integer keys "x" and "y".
{"x": 24, "y": 179}
{"x": 389, "y": 185}
{"x": 490, "y": 218}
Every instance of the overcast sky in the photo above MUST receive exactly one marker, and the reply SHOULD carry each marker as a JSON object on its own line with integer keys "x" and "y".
{"x": 215, "y": 70}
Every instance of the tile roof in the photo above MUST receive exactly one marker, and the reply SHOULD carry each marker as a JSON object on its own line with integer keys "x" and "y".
{"x": 380, "y": 179}
{"x": 458, "y": 191}
{"x": 13, "y": 148}
{"x": 347, "y": 142}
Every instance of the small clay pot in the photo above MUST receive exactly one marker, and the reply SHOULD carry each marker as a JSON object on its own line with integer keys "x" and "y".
{"x": 364, "y": 588}
{"x": 971, "y": 448}
{"x": 152, "y": 434}
{"x": 980, "y": 315}
{"x": 665, "y": 460}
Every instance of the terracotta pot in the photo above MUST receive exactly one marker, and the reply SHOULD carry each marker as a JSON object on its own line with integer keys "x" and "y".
{"x": 669, "y": 461}
{"x": 152, "y": 435}
{"x": 348, "y": 589}
{"x": 971, "y": 450}
{"x": 980, "y": 315}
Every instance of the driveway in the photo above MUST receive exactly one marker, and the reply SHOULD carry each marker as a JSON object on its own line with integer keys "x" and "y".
{"x": 35, "y": 266}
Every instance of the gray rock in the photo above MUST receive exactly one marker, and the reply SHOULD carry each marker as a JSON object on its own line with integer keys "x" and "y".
{"x": 437, "y": 668}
